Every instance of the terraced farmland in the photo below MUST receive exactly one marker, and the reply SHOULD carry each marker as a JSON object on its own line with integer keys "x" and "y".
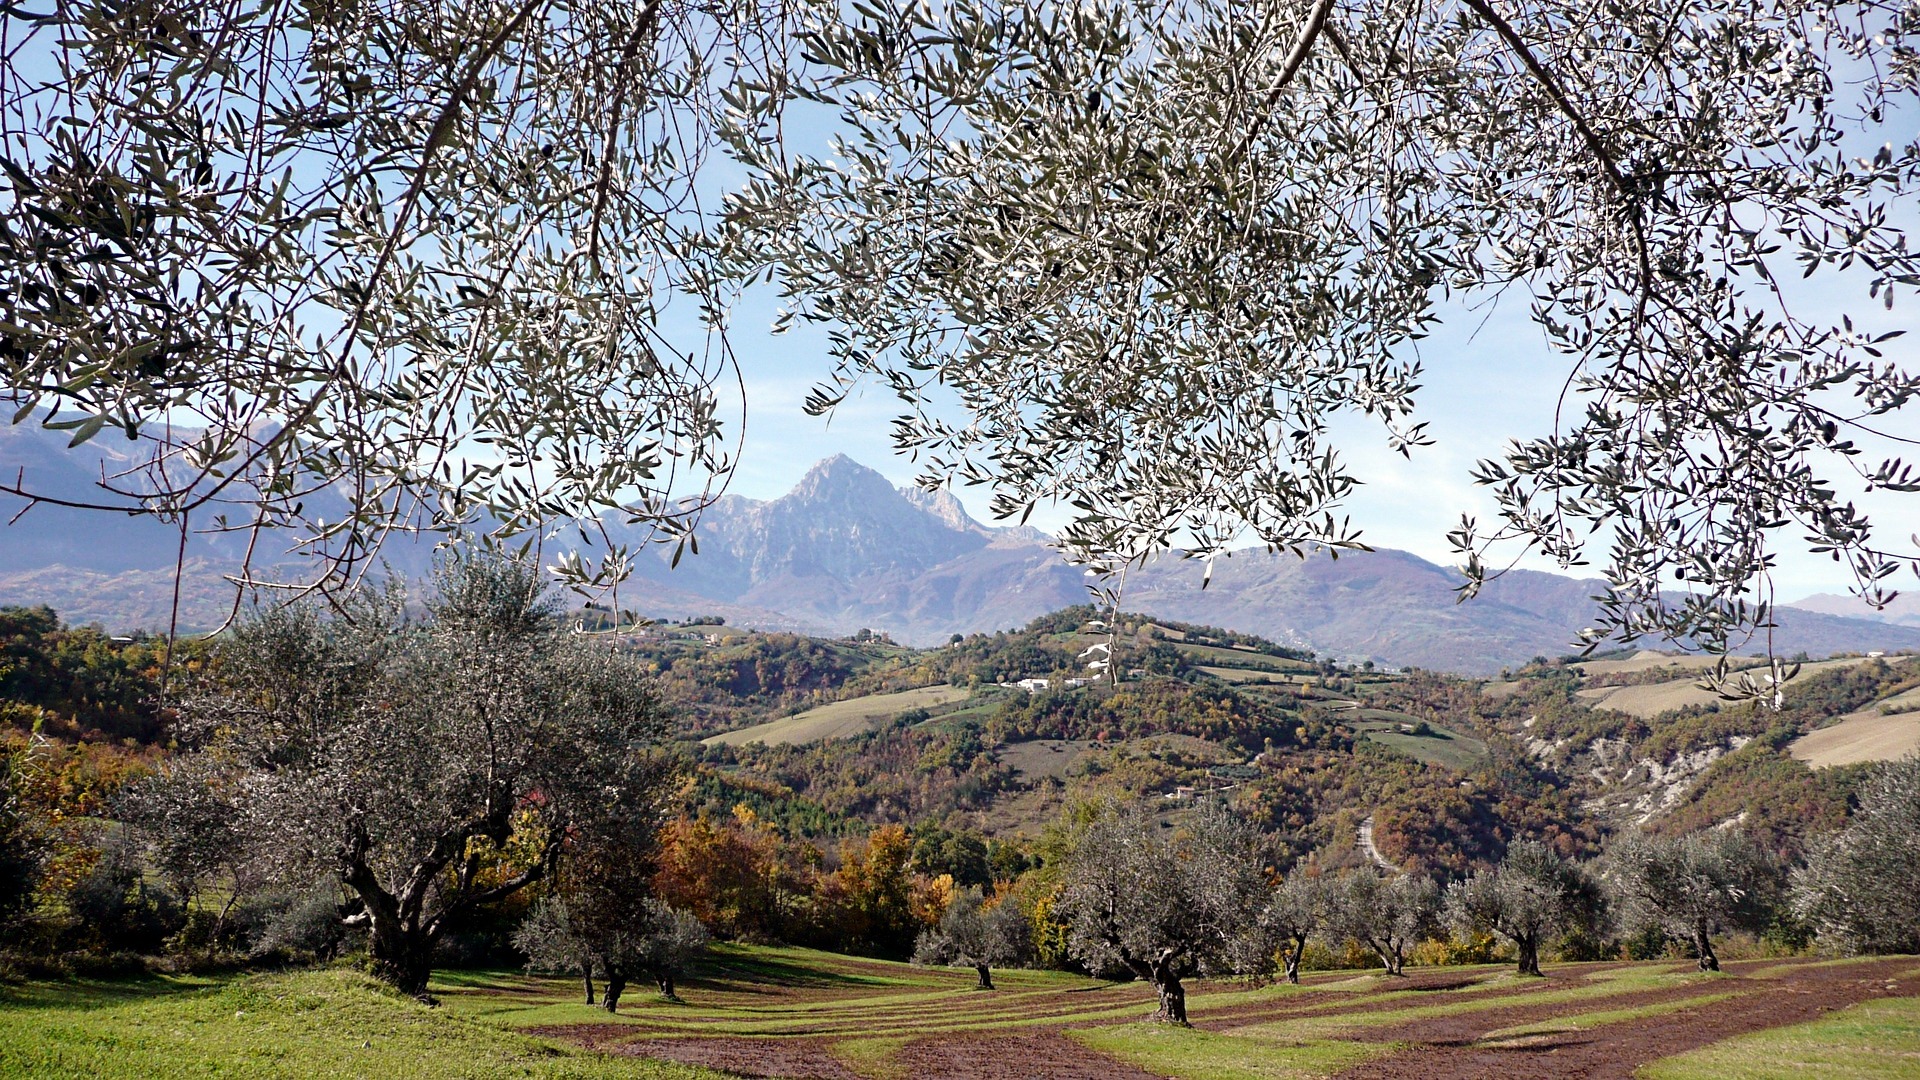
{"x": 795, "y": 1013}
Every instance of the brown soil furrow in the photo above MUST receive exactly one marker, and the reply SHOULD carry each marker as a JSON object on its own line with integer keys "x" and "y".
{"x": 789, "y": 1059}
{"x": 1616, "y": 1051}
{"x": 1463, "y": 1028}
{"x": 1023, "y": 1056}
{"x": 1373, "y": 1000}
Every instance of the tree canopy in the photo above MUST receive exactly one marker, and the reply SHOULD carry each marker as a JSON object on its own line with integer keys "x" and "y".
{"x": 428, "y": 766}
{"x": 1139, "y": 257}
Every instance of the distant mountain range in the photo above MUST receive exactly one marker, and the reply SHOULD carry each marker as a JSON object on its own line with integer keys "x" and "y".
{"x": 845, "y": 549}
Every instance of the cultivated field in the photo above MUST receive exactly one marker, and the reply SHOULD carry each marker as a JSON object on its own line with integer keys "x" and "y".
{"x": 1650, "y": 700}
{"x": 1867, "y": 735}
{"x": 1441, "y": 746}
{"x": 796, "y": 1013}
{"x": 1650, "y": 660}
{"x": 839, "y": 719}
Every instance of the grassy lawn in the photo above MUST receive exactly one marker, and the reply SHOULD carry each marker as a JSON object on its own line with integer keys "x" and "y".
{"x": 829, "y": 1014}
{"x": 1875, "y": 1039}
{"x": 335, "y": 1024}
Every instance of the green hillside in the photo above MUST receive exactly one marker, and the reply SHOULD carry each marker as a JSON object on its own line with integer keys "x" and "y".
{"x": 840, "y": 719}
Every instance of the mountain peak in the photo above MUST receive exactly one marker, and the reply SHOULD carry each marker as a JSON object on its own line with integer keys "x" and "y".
{"x": 840, "y": 476}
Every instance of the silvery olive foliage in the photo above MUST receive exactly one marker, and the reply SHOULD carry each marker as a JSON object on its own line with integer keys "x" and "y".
{"x": 1148, "y": 257}
{"x": 645, "y": 937}
{"x": 429, "y": 764}
{"x": 367, "y": 265}
{"x": 1164, "y": 904}
{"x": 972, "y": 934}
{"x": 1533, "y": 894}
{"x": 1860, "y": 889}
{"x": 1692, "y": 887}
{"x": 1152, "y": 259}
{"x": 1303, "y": 905}
{"x": 1387, "y": 914}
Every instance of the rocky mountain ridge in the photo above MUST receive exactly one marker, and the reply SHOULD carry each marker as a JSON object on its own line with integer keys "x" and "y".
{"x": 846, "y": 549}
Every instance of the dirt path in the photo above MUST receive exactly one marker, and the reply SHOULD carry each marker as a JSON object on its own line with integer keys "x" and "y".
{"x": 1445, "y": 1048}
{"x": 1373, "y": 852}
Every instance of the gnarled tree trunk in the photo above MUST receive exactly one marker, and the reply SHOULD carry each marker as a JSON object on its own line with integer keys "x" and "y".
{"x": 1173, "y": 996}
{"x": 1703, "y": 945}
{"x": 616, "y": 985}
{"x": 1528, "y": 946}
{"x": 586, "y": 976}
{"x": 986, "y": 976}
{"x": 398, "y": 956}
{"x": 665, "y": 980}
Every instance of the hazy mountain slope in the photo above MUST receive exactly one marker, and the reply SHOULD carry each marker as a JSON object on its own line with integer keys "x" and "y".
{"x": 845, "y": 549}
{"x": 1904, "y": 611}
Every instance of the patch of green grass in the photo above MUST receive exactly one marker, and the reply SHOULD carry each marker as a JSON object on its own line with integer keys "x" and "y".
{"x": 1204, "y": 1055}
{"x": 872, "y": 1058}
{"x": 1875, "y": 1040}
{"x": 1441, "y": 746}
{"x": 1244, "y": 675}
{"x": 335, "y": 1024}
{"x": 839, "y": 719}
{"x": 1242, "y": 658}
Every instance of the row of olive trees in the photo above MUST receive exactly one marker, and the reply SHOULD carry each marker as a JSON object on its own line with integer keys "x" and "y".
{"x": 1167, "y": 905}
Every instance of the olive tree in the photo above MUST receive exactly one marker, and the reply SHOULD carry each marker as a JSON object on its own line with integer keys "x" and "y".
{"x": 1164, "y": 904}
{"x": 648, "y": 938}
{"x": 1860, "y": 889}
{"x": 347, "y": 269}
{"x": 1146, "y": 259}
{"x": 972, "y": 934}
{"x": 1532, "y": 894}
{"x": 1692, "y": 887}
{"x": 1386, "y": 914}
{"x": 431, "y": 765}
{"x": 1301, "y": 907}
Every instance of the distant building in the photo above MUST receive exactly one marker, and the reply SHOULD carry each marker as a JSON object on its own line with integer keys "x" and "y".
{"x": 1074, "y": 684}
{"x": 1033, "y": 685}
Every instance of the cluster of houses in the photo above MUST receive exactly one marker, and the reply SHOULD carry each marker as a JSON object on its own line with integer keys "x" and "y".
{"x": 1034, "y": 686}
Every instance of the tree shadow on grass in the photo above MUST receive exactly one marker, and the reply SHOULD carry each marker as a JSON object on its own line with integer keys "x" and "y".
{"x": 85, "y": 994}
{"x": 743, "y": 975}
